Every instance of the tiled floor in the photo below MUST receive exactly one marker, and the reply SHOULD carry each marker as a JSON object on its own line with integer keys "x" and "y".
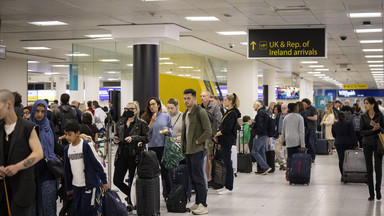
{"x": 271, "y": 195}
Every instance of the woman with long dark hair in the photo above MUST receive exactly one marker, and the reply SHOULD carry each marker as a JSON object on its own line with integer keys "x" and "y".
{"x": 130, "y": 131}
{"x": 160, "y": 126}
{"x": 371, "y": 124}
{"x": 226, "y": 136}
{"x": 345, "y": 138}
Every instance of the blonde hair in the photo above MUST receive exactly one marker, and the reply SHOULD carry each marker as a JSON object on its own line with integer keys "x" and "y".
{"x": 234, "y": 100}
{"x": 136, "y": 104}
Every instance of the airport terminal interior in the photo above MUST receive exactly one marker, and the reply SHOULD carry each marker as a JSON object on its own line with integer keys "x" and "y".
{"x": 270, "y": 50}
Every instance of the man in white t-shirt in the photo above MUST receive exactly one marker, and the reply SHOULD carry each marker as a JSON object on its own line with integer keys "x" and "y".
{"x": 83, "y": 171}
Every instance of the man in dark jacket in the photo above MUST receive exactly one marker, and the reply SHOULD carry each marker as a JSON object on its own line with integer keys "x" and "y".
{"x": 62, "y": 114}
{"x": 259, "y": 135}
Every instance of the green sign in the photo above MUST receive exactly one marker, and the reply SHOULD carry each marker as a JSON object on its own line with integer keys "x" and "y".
{"x": 286, "y": 43}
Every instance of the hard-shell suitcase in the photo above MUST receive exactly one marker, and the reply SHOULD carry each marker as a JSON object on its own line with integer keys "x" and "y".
{"x": 148, "y": 196}
{"x": 300, "y": 172}
{"x": 181, "y": 176}
{"x": 244, "y": 160}
{"x": 321, "y": 147}
{"x": 234, "y": 159}
{"x": 354, "y": 168}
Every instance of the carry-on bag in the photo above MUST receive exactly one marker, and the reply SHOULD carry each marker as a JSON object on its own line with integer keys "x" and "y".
{"x": 112, "y": 204}
{"x": 300, "y": 172}
{"x": 177, "y": 200}
{"x": 354, "y": 168}
{"x": 148, "y": 196}
{"x": 244, "y": 160}
{"x": 148, "y": 166}
{"x": 219, "y": 172}
{"x": 321, "y": 147}
{"x": 181, "y": 177}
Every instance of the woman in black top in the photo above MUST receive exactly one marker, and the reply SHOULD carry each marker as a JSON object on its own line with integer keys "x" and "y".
{"x": 371, "y": 123}
{"x": 227, "y": 135}
{"x": 131, "y": 130}
{"x": 345, "y": 138}
{"x": 87, "y": 127}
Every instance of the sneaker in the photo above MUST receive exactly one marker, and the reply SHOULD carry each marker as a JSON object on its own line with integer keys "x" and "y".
{"x": 282, "y": 167}
{"x": 221, "y": 189}
{"x": 266, "y": 171}
{"x": 200, "y": 210}
{"x": 223, "y": 192}
{"x": 193, "y": 207}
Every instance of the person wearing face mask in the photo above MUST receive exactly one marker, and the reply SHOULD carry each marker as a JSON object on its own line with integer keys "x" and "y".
{"x": 130, "y": 131}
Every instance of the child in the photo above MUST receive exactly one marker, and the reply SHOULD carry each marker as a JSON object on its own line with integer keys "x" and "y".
{"x": 83, "y": 171}
{"x": 245, "y": 139}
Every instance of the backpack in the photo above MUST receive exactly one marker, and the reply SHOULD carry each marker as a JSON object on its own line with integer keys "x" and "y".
{"x": 271, "y": 127}
{"x": 356, "y": 122}
{"x": 62, "y": 118}
{"x": 148, "y": 166}
{"x": 177, "y": 200}
{"x": 347, "y": 114}
{"x": 112, "y": 205}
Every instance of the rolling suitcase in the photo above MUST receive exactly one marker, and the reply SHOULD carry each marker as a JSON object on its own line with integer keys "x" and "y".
{"x": 244, "y": 160}
{"x": 321, "y": 147}
{"x": 234, "y": 159}
{"x": 148, "y": 196}
{"x": 181, "y": 177}
{"x": 354, "y": 168}
{"x": 300, "y": 172}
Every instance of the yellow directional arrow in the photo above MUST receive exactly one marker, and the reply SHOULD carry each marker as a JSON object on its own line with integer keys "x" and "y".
{"x": 253, "y": 45}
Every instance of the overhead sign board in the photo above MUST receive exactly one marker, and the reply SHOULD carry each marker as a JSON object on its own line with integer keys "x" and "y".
{"x": 361, "y": 93}
{"x": 355, "y": 86}
{"x": 286, "y": 43}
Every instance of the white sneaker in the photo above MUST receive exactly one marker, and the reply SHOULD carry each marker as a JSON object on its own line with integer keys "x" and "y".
{"x": 266, "y": 171}
{"x": 223, "y": 192}
{"x": 201, "y": 210}
{"x": 221, "y": 189}
{"x": 193, "y": 207}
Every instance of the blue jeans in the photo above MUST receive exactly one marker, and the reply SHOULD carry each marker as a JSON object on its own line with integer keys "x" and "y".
{"x": 310, "y": 137}
{"x": 226, "y": 152}
{"x": 205, "y": 176}
{"x": 258, "y": 151}
{"x": 195, "y": 167}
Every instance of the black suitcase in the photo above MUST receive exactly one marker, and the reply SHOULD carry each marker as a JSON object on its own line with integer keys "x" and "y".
{"x": 300, "y": 172}
{"x": 321, "y": 147}
{"x": 181, "y": 177}
{"x": 244, "y": 160}
{"x": 148, "y": 196}
{"x": 270, "y": 156}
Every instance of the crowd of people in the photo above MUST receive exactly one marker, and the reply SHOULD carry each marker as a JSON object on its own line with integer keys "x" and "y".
{"x": 67, "y": 133}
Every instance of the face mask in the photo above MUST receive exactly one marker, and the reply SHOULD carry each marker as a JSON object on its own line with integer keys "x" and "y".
{"x": 128, "y": 113}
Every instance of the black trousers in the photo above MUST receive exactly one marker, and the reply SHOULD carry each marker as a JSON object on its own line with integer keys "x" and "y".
{"x": 165, "y": 174}
{"x": 195, "y": 167}
{"x": 341, "y": 153}
{"x": 369, "y": 151}
{"x": 359, "y": 138}
{"x": 124, "y": 163}
{"x": 15, "y": 209}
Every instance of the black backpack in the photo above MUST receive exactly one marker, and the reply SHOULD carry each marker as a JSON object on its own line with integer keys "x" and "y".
{"x": 177, "y": 200}
{"x": 271, "y": 127}
{"x": 148, "y": 166}
{"x": 112, "y": 205}
{"x": 63, "y": 117}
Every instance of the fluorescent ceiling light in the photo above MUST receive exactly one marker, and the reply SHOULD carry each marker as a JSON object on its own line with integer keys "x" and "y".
{"x": 113, "y": 79}
{"x": 30, "y": 70}
{"x": 36, "y": 48}
{"x": 376, "y": 65}
{"x": 48, "y": 23}
{"x": 195, "y": 77}
{"x": 260, "y": 75}
{"x": 109, "y": 60}
{"x": 309, "y": 62}
{"x": 376, "y": 69}
{"x": 368, "y": 30}
{"x": 77, "y": 54}
{"x": 372, "y": 50}
{"x": 319, "y": 75}
{"x": 377, "y": 72}
{"x": 53, "y": 73}
{"x": 113, "y": 72}
{"x": 374, "y": 61}
{"x": 197, "y": 70}
{"x": 168, "y": 72}
{"x": 100, "y": 77}
{"x": 181, "y": 75}
{"x": 164, "y": 58}
{"x": 99, "y": 35}
{"x": 187, "y": 75}
{"x": 374, "y": 56}
{"x": 316, "y": 66}
{"x": 232, "y": 33}
{"x": 185, "y": 67}
{"x": 166, "y": 63}
{"x": 61, "y": 66}
{"x": 314, "y": 72}
{"x": 108, "y": 38}
{"x": 130, "y": 65}
{"x": 364, "y": 15}
{"x": 33, "y": 62}
{"x": 321, "y": 69}
{"x": 202, "y": 18}
{"x": 244, "y": 43}
{"x": 371, "y": 41}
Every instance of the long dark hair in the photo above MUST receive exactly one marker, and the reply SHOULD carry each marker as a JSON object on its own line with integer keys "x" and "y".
{"x": 341, "y": 118}
{"x": 371, "y": 100}
{"x": 147, "y": 115}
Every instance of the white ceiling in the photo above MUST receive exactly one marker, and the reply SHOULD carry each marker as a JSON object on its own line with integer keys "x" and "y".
{"x": 86, "y": 16}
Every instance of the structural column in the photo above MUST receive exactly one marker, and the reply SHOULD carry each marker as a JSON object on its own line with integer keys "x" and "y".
{"x": 242, "y": 80}
{"x": 269, "y": 82}
{"x": 306, "y": 89}
{"x": 61, "y": 86}
{"x": 145, "y": 72}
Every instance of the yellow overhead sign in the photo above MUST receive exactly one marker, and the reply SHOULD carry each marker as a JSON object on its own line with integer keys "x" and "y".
{"x": 355, "y": 86}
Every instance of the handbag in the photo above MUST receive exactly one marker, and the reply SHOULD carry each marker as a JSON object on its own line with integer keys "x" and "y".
{"x": 381, "y": 137}
{"x": 56, "y": 168}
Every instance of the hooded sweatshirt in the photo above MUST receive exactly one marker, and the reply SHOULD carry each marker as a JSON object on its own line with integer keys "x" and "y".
{"x": 229, "y": 127}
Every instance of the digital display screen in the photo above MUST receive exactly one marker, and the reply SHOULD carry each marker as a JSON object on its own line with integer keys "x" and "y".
{"x": 288, "y": 93}
{"x": 104, "y": 93}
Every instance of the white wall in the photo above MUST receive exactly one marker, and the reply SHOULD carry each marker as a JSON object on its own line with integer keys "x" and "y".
{"x": 243, "y": 80}
{"x": 306, "y": 89}
{"x": 126, "y": 94}
{"x": 14, "y": 76}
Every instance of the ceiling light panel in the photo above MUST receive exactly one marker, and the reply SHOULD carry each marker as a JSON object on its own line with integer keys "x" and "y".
{"x": 226, "y": 33}
{"x": 376, "y": 69}
{"x": 364, "y": 15}
{"x": 374, "y": 56}
{"x": 376, "y": 65}
{"x": 370, "y": 41}
{"x": 316, "y": 66}
{"x": 36, "y": 48}
{"x": 368, "y": 30}
{"x": 109, "y": 60}
{"x": 309, "y": 62}
{"x": 48, "y": 23}
{"x": 61, "y": 66}
{"x": 99, "y": 35}
{"x": 321, "y": 69}
{"x": 372, "y": 50}
{"x": 77, "y": 54}
{"x": 375, "y": 61}
{"x": 202, "y": 18}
